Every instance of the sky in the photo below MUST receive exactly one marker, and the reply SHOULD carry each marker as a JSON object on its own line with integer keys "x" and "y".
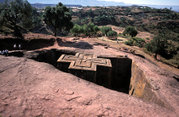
{"x": 148, "y": 2}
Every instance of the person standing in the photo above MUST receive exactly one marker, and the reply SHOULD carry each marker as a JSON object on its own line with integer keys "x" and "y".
{"x": 6, "y": 52}
{"x": 15, "y": 46}
{"x": 19, "y": 46}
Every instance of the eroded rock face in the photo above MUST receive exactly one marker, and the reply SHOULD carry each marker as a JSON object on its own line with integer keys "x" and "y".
{"x": 30, "y": 88}
{"x": 140, "y": 87}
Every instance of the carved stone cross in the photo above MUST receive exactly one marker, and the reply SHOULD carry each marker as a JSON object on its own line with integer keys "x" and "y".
{"x": 84, "y": 61}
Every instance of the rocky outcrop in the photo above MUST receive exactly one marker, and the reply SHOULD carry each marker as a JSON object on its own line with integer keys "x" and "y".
{"x": 31, "y": 88}
{"x": 38, "y": 88}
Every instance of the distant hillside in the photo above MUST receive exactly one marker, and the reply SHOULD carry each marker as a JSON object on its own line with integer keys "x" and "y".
{"x": 78, "y": 3}
{"x": 174, "y": 8}
{"x": 92, "y": 3}
{"x": 39, "y": 5}
{"x": 84, "y": 2}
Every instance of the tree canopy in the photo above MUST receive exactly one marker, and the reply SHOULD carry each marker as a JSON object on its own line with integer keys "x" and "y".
{"x": 58, "y": 18}
{"x": 105, "y": 30}
{"x": 16, "y": 17}
{"x": 88, "y": 29}
{"x": 112, "y": 34}
{"x": 131, "y": 31}
{"x": 162, "y": 45}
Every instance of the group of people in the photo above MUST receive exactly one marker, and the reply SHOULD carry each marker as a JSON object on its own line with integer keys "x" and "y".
{"x": 17, "y": 46}
{"x": 4, "y": 52}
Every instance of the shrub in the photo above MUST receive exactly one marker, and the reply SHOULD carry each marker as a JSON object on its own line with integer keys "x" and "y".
{"x": 136, "y": 42}
{"x": 139, "y": 42}
{"x": 77, "y": 29}
{"x": 129, "y": 42}
{"x": 96, "y": 28}
{"x": 105, "y": 30}
{"x": 112, "y": 34}
{"x": 130, "y": 31}
{"x": 89, "y": 29}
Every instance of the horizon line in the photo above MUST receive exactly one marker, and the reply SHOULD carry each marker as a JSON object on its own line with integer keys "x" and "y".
{"x": 126, "y": 4}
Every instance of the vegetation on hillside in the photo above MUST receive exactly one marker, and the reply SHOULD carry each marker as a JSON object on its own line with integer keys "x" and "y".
{"x": 156, "y": 21}
{"x": 162, "y": 45}
{"x": 144, "y": 18}
{"x": 87, "y": 29}
{"x": 18, "y": 17}
{"x": 130, "y": 31}
{"x": 92, "y": 30}
{"x": 135, "y": 41}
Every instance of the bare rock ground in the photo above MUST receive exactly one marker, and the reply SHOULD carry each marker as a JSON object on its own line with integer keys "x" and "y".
{"x": 31, "y": 88}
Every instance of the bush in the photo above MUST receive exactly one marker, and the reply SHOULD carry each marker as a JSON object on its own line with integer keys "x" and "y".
{"x": 112, "y": 34}
{"x": 96, "y": 28}
{"x": 89, "y": 29}
{"x": 77, "y": 29}
{"x": 130, "y": 31}
{"x": 105, "y": 30}
{"x": 136, "y": 42}
{"x": 105, "y": 20}
{"x": 139, "y": 42}
{"x": 129, "y": 42}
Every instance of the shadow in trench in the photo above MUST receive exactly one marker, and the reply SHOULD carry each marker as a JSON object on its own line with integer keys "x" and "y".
{"x": 115, "y": 78}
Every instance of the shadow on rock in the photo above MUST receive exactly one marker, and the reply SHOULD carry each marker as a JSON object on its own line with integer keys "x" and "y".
{"x": 81, "y": 44}
{"x": 25, "y": 44}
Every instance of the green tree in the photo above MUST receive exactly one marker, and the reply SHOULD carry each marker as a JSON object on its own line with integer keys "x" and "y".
{"x": 135, "y": 41}
{"x": 87, "y": 29}
{"x": 90, "y": 29}
{"x": 16, "y": 17}
{"x": 58, "y": 18}
{"x": 37, "y": 20}
{"x": 77, "y": 29}
{"x": 112, "y": 34}
{"x": 130, "y": 31}
{"x": 96, "y": 29}
{"x": 105, "y": 30}
{"x": 158, "y": 45}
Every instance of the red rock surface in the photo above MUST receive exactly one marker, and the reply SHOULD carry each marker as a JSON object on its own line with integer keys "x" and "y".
{"x": 31, "y": 88}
